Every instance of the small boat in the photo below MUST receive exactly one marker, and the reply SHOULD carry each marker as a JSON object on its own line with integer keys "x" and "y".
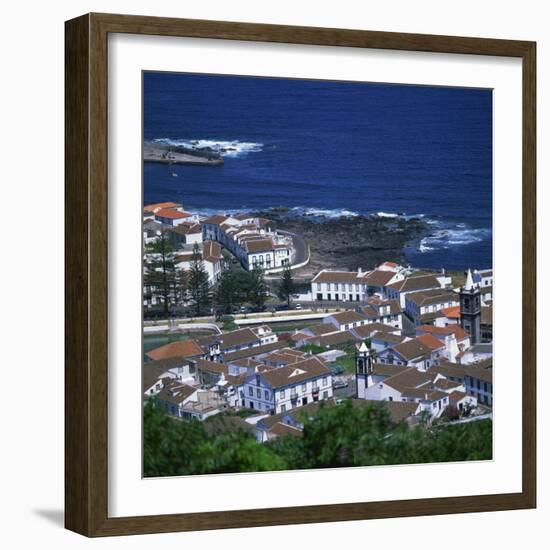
{"x": 174, "y": 175}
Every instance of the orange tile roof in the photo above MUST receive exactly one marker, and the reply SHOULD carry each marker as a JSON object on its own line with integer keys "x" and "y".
{"x": 159, "y": 206}
{"x": 183, "y": 348}
{"x": 459, "y": 332}
{"x": 430, "y": 341}
{"x": 451, "y": 312}
{"x": 172, "y": 214}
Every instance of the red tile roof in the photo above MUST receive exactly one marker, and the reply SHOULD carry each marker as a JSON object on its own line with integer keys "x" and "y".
{"x": 159, "y": 205}
{"x": 172, "y": 214}
{"x": 431, "y": 341}
{"x": 459, "y": 332}
{"x": 184, "y": 348}
{"x": 337, "y": 277}
{"x": 451, "y": 312}
{"x": 216, "y": 219}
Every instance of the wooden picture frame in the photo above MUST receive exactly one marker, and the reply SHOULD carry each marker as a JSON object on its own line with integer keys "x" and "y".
{"x": 86, "y": 223}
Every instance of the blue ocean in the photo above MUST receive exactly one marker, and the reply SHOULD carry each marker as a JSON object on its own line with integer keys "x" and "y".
{"x": 332, "y": 149}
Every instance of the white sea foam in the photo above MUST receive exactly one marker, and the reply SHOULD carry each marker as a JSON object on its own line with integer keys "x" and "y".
{"x": 234, "y": 148}
{"x": 324, "y": 212}
{"x": 460, "y": 235}
{"x": 399, "y": 215}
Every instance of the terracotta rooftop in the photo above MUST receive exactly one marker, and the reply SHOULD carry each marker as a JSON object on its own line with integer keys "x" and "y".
{"x": 378, "y": 277}
{"x": 412, "y": 349}
{"x": 388, "y": 337}
{"x": 258, "y": 245}
{"x": 321, "y": 328}
{"x": 253, "y": 352}
{"x": 216, "y": 219}
{"x": 459, "y": 332}
{"x": 421, "y": 282}
{"x": 383, "y": 369}
{"x": 430, "y": 341}
{"x": 160, "y": 205}
{"x": 365, "y": 331}
{"x": 307, "y": 369}
{"x": 345, "y": 317}
{"x": 211, "y": 366}
{"x": 334, "y": 339}
{"x": 409, "y": 378}
{"x": 456, "y": 396}
{"x": 176, "y": 392}
{"x": 183, "y": 348}
{"x": 172, "y": 214}
{"x": 336, "y": 277}
{"x": 451, "y": 312}
{"x": 211, "y": 251}
{"x": 186, "y": 229}
{"x": 431, "y": 297}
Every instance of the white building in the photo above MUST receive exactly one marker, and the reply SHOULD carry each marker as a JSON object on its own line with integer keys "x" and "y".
{"x": 423, "y": 308}
{"x": 277, "y": 390}
{"x": 252, "y": 240}
{"x": 420, "y": 283}
{"x": 400, "y": 384}
{"x": 186, "y": 233}
{"x": 174, "y": 216}
{"x": 219, "y": 345}
{"x": 211, "y": 257}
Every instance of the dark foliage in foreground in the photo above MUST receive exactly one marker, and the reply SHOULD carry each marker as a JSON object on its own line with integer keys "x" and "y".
{"x": 336, "y": 436}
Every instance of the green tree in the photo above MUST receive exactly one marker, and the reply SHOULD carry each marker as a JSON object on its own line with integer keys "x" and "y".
{"x": 172, "y": 447}
{"x": 198, "y": 283}
{"x": 160, "y": 278}
{"x": 286, "y": 287}
{"x": 343, "y": 435}
{"x": 228, "y": 293}
{"x": 258, "y": 292}
{"x": 182, "y": 286}
{"x": 237, "y": 452}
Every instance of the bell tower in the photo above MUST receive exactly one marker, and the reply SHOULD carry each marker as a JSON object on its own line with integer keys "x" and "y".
{"x": 364, "y": 358}
{"x": 470, "y": 308}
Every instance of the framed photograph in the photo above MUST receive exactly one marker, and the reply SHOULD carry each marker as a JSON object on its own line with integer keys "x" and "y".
{"x": 300, "y": 275}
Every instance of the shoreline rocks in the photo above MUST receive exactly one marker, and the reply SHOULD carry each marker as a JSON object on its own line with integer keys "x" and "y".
{"x": 350, "y": 242}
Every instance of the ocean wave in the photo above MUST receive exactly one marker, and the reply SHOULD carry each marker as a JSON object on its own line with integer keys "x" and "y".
{"x": 207, "y": 212}
{"x": 446, "y": 238}
{"x": 234, "y": 148}
{"x": 400, "y": 215}
{"x": 324, "y": 212}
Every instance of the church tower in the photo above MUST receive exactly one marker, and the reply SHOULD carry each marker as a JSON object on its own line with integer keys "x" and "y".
{"x": 364, "y": 358}
{"x": 470, "y": 309}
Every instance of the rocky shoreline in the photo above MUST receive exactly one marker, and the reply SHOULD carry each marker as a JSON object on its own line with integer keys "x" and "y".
{"x": 350, "y": 242}
{"x": 169, "y": 154}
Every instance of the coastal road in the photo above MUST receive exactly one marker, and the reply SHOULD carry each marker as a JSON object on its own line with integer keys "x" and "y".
{"x": 301, "y": 249}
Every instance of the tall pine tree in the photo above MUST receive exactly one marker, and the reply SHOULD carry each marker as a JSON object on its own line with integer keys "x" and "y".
{"x": 198, "y": 284}
{"x": 228, "y": 293}
{"x": 286, "y": 287}
{"x": 258, "y": 291}
{"x": 159, "y": 277}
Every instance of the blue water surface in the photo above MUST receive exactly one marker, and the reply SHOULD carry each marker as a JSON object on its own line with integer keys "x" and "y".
{"x": 333, "y": 148}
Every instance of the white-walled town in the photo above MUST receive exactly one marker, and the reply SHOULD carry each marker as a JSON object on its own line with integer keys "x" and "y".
{"x": 294, "y": 341}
